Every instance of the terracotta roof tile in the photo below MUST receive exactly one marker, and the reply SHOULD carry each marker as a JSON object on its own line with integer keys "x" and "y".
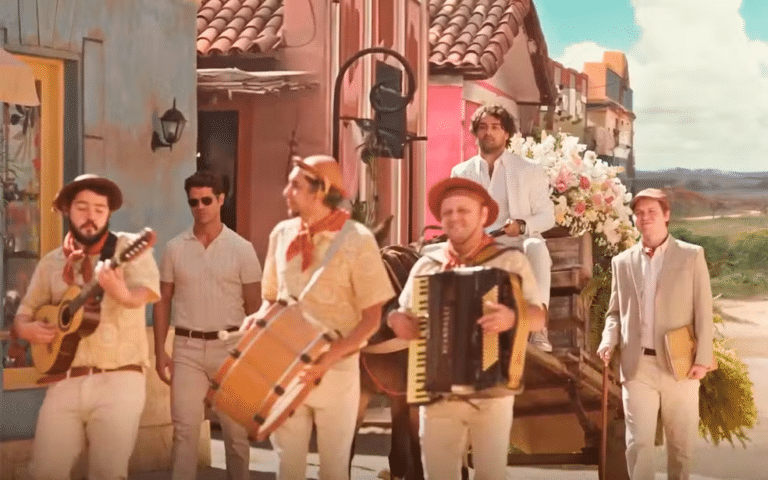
{"x": 471, "y": 37}
{"x": 239, "y": 26}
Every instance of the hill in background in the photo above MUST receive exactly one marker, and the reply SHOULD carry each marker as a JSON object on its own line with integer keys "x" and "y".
{"x": 709, "y": 192}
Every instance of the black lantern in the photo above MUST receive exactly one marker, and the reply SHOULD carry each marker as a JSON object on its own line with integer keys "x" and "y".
{"x": 172, "y": 123}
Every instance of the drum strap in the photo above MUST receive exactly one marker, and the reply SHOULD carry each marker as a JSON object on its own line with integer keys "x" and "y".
{"x": 349, "y": 225}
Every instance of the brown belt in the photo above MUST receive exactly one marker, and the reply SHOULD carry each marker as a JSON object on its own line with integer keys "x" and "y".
{"x": 80, "y": 371}
{"x": 213, "y": 335}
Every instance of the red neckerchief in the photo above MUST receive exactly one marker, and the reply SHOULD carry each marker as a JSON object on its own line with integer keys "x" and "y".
{"x": 74, "y": 252}
{"x": 453, "y": 259}
{"x": 303, "y": 245}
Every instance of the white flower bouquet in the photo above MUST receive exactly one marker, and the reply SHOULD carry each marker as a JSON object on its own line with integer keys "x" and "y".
{"x": 588, "y": 195}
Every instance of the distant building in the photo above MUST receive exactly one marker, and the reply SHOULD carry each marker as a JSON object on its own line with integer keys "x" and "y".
{"x": 610, "y": 120}
{"x": 569, "y": 114}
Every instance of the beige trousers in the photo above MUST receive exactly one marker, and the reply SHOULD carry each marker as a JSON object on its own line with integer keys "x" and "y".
{"x": 537, "y": 253}
{"x": 101, "y": 409}
{"x": 332, "y": 408}
{"x": 195, "y": 363}
{"x": 651, "y": 389}
{"x": 449, "y": 426}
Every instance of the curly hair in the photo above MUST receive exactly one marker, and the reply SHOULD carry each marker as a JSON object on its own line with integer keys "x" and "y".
{"x": 497, "y": 111}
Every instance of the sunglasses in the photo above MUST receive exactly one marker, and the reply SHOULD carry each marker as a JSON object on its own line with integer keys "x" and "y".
{"x": 194, "y": 201}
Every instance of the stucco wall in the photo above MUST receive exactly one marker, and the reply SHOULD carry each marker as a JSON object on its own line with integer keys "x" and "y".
{"x": 133, "y": 57}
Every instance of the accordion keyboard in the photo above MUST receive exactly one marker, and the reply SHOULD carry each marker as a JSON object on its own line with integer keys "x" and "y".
{"x": 417, "y": 350}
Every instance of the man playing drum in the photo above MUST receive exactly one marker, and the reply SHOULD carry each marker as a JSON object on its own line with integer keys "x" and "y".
{"x": 464, "y": 208}
{"x": 346, "y": 298}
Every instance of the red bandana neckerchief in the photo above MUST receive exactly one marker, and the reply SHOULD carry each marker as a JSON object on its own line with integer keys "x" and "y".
{"x": 74, "y": 252}
{"x": 303, "y": 245}
{"x": 453, "y": 259}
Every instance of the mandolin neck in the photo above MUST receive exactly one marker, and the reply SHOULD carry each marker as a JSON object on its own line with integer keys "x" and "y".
{"x": 90, "y": 290}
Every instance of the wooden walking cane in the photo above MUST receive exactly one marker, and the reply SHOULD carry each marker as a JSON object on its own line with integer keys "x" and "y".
{"x": 604, "y": 419}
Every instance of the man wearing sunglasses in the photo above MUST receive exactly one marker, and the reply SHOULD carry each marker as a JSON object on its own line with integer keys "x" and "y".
{"x": 211, "y": 276}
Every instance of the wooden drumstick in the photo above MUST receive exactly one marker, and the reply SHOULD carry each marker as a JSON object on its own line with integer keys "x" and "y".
{"x": 225, "y": 335}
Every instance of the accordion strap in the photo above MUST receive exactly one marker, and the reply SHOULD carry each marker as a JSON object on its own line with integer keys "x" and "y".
{"x": 490, "y": 252}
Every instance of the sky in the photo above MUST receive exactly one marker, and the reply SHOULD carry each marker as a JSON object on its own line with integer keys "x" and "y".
{"x": 698, "y": 70}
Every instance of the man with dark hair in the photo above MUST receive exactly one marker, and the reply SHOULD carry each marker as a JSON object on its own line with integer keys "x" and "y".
{"x": 346, "y": 297}
{"x": 521, "y": 190}
{"x": 210, "y": 275}
{"x": 98, "y": 401}
{"x": 659, "y": 285}
{"x": 483, "y": 421}
{"x": 205, "y": 178}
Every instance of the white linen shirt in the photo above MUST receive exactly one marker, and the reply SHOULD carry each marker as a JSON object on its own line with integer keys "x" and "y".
{"x": 208, "y": 282}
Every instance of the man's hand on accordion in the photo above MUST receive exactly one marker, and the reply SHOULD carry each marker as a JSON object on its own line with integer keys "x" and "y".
{"x": 403, "y": 324}
{"x": 499, "y": 318}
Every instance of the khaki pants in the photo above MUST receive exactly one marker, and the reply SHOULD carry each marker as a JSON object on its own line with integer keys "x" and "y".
{"x": 652, "y": 388}
{"x": 449, "y": 426}
{"x": 195, "y": 363}
{"x": 102, "y": 409}
{"x": 332, "y": 408}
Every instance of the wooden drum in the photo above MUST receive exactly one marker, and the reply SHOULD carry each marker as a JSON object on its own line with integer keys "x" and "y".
{"x": 258, "y": 385}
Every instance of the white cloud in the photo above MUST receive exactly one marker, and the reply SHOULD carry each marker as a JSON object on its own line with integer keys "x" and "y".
{"x": 700, "y": 86}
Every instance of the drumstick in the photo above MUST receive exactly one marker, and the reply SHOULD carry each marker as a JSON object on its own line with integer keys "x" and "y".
{"x": 225, "y": 335}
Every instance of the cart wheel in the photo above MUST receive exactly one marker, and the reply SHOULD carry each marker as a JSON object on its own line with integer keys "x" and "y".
{"x": 616, "y": 459}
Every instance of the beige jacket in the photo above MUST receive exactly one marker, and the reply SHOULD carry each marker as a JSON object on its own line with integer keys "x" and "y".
{"x": 683, "y": 296}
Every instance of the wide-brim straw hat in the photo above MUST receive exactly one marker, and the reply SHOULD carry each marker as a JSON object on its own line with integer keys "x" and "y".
{"x": 88, "y": 181}
{"x": 443, "y": 188}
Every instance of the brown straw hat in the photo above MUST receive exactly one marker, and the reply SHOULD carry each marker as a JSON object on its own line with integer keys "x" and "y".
{"x": 93, "y": 182}
{"x": 443, "y": 188}
{"x": 325, "y": 168}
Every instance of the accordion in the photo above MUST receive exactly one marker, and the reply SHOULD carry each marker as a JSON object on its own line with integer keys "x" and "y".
{"x": 452, "y": 355}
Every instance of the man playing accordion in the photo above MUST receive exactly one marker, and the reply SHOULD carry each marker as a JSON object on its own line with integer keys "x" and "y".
{"x": 482, "y": 420}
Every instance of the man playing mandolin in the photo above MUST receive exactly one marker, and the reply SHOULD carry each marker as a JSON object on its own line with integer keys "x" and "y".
{"x": 97, "y": 400}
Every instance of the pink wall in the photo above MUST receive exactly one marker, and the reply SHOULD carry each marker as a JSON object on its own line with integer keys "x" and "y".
{"x": 444, "y": 108}
{"x": 467, "y": 139}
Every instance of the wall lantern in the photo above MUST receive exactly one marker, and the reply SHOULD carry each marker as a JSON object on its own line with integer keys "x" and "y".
{"x": 172, "y": 123}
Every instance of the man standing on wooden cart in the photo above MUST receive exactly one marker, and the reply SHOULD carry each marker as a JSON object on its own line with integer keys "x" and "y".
{"x": 484, "y": 419}
{"x": 210, "y": 275}
{"x": 659, "y": 286}
{"x": 98, "y": 400}
{"x": 346, "y": 297}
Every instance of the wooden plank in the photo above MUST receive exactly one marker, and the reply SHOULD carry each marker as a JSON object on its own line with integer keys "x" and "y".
{"x": 46, "y": 14}
{"x": 29, "y": 33}
{"x": 94, "y": 152}
{"x": 93, "y": 88}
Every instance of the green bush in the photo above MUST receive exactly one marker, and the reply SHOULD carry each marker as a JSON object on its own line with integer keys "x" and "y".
{"x": 717, "y": 251}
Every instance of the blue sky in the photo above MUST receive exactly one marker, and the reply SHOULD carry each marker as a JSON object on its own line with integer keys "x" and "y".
{"x": 566, "y": 22}
{"x": 698, "y": 70}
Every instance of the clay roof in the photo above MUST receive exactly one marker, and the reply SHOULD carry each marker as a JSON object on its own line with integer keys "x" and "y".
{"x": 239, "y": 26}
{"x": 470, "y": 37}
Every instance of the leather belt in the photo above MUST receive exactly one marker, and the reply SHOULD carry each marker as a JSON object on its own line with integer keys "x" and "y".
{"x": 214, "y": 335}
{"x": 649, "y": 351}
{"x": 81, "y": 371}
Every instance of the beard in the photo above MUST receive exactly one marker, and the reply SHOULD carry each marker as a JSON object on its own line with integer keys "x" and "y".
{"x": 88, "y": 240}
{"x": 490, "y": 146}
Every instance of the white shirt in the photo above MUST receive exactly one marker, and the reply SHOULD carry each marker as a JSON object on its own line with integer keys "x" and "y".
{"x": 208, "y": 282}
{"x": 497, "y": 186}
{"x": 651, "y": 269}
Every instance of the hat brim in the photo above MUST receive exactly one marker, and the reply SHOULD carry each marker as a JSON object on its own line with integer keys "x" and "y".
{"x": 443, "y": 188}
{"x": 69, "y": 191}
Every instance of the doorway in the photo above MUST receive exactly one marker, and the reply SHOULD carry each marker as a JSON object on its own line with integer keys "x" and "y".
{"x": 217, "y": 150}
